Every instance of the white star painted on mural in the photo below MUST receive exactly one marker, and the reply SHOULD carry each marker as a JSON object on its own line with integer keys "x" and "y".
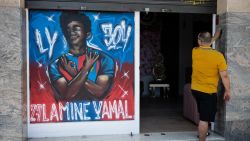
{"x": 41, "y": 85}
{"x": 125, "y": 74}
{"x": 39, "y": 64}
{"x": 124, "y": 92}
{"x": 96, "y": 17}
{"x": 51, "y": 18}
{"x": 40, "y": 60}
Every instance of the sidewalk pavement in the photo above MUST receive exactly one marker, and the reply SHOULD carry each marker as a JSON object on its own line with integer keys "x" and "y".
{"x": 164, "y": 136}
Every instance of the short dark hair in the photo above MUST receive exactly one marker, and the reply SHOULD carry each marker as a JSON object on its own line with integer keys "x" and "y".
{"x": 69, "y": 16}
{"x": 205, "y": 37}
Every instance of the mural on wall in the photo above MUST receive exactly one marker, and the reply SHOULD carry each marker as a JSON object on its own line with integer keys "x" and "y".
{"x": 81, "y": 66}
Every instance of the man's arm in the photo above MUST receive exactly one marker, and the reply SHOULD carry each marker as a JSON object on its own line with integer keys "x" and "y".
{"x": 216, "y": 35}
{"x": 226, "y": 83}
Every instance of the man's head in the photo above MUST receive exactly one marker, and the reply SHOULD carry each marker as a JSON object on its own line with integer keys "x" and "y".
{"x": 204, "y": 38}
{"x": 76, "y": 27}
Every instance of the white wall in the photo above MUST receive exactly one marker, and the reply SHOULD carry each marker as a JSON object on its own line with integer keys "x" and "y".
{"x": 233, "y": 6}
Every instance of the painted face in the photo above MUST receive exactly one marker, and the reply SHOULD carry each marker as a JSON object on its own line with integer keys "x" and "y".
{"x": 76, "y": 33}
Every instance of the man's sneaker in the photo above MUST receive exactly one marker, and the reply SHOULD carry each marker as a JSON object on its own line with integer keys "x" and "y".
{"x": 207, "y": 134}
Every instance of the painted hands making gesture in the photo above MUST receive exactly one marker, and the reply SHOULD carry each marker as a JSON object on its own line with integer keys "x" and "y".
{"x": 70, "y": 89}
{"x": 70, "y": 67}
{"x": 90, "y": 59}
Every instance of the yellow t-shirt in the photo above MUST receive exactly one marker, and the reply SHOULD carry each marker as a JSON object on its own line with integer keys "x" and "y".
{"x": 206, "y": 65}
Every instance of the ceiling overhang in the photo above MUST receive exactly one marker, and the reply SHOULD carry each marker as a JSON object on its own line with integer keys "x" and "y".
{"x": 175, "y": 6}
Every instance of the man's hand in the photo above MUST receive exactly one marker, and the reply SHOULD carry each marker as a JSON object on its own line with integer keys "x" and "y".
{"x": 226, "y": 83}
{"x": 69, "y": 66}
{"x": 216, "y": 35}
{"x": 227, "y": 96}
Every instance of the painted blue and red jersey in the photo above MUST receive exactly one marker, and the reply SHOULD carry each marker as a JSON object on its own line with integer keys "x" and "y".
{"x": 103, "y": 66}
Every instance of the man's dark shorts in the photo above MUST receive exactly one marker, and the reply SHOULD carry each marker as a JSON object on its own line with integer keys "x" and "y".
{"x": 206, "y": 104}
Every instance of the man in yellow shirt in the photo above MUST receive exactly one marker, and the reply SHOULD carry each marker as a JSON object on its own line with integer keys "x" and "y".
{"x": 208, "y": 65}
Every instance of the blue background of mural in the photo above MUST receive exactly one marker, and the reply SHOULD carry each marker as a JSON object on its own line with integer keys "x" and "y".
{"x": 50, "y": 19}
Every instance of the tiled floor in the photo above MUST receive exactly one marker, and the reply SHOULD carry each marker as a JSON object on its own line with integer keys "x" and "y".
{"x": 158, "y": 115}
{"x": 167, "y": 136}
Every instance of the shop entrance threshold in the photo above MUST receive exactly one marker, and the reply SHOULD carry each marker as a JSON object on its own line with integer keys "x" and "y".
{"x": 160, "y": 136}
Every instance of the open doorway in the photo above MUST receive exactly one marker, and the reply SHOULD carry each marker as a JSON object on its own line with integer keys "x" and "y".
{"x": 166, "y": 42}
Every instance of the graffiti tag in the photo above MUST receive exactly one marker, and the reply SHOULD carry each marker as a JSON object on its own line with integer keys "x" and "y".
{"x": 50, "y": 40}
{"x": 117, "y": 37}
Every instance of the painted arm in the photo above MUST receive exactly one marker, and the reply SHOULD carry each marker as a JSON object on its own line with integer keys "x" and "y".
{"x": 226, "y": 83}
{"x": 100, "y": 87}
{"x": 69, "y": 90}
